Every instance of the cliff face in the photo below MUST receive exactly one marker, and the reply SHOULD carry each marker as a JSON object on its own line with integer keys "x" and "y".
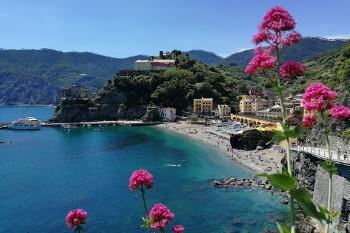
{"x": 87, "y": 110}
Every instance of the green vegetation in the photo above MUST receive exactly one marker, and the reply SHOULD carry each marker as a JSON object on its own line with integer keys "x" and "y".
{"x": 332, "y": 69}
{"x": 38, "y": 76}
{"x": 177, "y": 87}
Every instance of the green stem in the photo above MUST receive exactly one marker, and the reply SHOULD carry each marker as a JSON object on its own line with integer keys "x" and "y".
{"x": 288, "y": 147}
{"x": 145, "y": 205}
{"x": 78, "y": 229}
{"x": 330, "y": 178}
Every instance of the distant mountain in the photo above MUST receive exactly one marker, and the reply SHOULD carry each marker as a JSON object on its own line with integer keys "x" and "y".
{"x": 206, "y": 57}
{"x": 37, "y": 76}
{"x": 305, "y": 49}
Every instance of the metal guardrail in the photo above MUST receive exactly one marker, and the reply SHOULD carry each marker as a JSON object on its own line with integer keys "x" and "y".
{"x": 336, "y": 156}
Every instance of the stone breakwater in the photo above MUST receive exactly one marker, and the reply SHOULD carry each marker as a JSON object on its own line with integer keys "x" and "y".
{"x": 231, "y": 181}
{"x": 252, "y": 183}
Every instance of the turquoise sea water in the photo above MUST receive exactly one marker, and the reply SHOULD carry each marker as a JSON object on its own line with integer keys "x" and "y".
{"x": 44, "y": 174}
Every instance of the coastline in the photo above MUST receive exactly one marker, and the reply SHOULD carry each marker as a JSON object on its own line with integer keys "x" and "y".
{"x": 266, "y": 160}
{"x": 28, "y": 105}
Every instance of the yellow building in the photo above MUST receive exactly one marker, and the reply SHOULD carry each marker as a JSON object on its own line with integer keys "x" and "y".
{"x": 203, "y": 105}
{"x": 245, "y": 104}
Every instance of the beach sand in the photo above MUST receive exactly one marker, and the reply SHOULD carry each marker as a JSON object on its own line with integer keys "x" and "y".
{"x": 267, "y": 160}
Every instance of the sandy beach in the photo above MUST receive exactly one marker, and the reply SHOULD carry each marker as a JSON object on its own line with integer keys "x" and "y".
{"x": 266, "y": 160}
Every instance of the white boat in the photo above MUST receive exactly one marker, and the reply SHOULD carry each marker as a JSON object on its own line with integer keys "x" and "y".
{"x": 28, "y": 123}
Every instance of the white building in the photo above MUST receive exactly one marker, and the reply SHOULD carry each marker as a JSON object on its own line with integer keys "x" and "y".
{"x": 224, "y": 110}
{"x": 155, "y": 64}
{"x": 167, "y": 114}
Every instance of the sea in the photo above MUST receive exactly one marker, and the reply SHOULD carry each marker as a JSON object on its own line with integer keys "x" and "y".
{"x": 46, "y": 173}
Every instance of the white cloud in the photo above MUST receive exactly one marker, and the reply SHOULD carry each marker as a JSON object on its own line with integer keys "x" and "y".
{"x": 341, "y": 36}
{"x": 243, "y": 49}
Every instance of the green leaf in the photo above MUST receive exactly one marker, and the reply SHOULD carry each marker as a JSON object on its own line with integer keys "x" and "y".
{"x": 292, "y": 133}
{"x": 282, "y": 228}
{"x": 329, "y": 166}
{"x": 304, "y": 201}
{"x": 278, "y": 137}
{"x": 283, "y": 182}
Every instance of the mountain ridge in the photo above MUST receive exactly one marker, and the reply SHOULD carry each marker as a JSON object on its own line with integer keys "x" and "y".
{"x": 30, "y": 76}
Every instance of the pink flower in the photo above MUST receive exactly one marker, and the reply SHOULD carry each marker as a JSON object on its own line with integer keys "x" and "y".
{"x": 140, "y": 178}
{"x": 292, "y": 38}
{"x": 340, "y": 113}
{"x": 262, "y": 59}
{"x": 178, "y": 229}
{"x": 318, "y": 97}
{"x": 291, "y": 69}
{"x": 260, "y": 37}
{"x": 277, "y": 19}
{"x": 75, "y": 218}
{"x": 160, "y": 215}
{"x": 309, "y": 121}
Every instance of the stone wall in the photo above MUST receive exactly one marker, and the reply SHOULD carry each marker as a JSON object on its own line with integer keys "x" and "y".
{"x": 315, "y": 179}
{"x": 339, "y": 143}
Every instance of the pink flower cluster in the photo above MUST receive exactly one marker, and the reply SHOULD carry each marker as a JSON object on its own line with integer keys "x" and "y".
{"x": 75, "y": 218}
{"x": 291, "y": 69}
{"x": 291, "y": 38}
{"x": 318, "y": 97}
{"x": 178, "y": 229}
{"x": 160, "y": 215}
{"x": 261, "y": 36}
{"x": 276, "y": 29}
{"x": 340, "y": 113}
{"x": 262, "y": 60}
{"x": 278, "y": 19}
{"x": 140, "y": 178}
{"x": 309, "y": 121}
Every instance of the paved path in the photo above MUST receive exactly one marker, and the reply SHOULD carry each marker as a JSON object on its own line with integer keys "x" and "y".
{"x": 339, "y": 157}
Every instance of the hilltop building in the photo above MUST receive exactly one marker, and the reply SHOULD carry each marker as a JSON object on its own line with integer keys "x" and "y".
{"x": 203, "y": 106}
{"x": 163, "y": 62}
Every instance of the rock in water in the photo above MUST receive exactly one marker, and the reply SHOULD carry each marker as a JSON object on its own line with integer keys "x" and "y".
{"x": 251, "y": 139}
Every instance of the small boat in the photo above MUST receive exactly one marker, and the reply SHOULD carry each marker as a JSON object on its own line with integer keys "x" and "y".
{"x": 28, "y": 123}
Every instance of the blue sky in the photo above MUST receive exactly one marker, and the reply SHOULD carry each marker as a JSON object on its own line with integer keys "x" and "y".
{"x": 124, "y": 28}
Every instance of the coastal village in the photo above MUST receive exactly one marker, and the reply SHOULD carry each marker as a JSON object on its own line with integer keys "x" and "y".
{"x": 196, "y": 139}
{"x": 219, "y": 125}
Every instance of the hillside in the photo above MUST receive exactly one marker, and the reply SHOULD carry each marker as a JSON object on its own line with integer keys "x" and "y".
{"x": 128, "y": 94}
{"x": 333, "y": 69}
{"x": 37, "y": 76}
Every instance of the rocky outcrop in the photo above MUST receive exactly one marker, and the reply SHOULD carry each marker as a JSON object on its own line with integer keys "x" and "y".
{"x": 305, "y": 167}
{"x": 251, "y": 139}
{"x": 231, "y": 181}
{"x": 88, "y": 110}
